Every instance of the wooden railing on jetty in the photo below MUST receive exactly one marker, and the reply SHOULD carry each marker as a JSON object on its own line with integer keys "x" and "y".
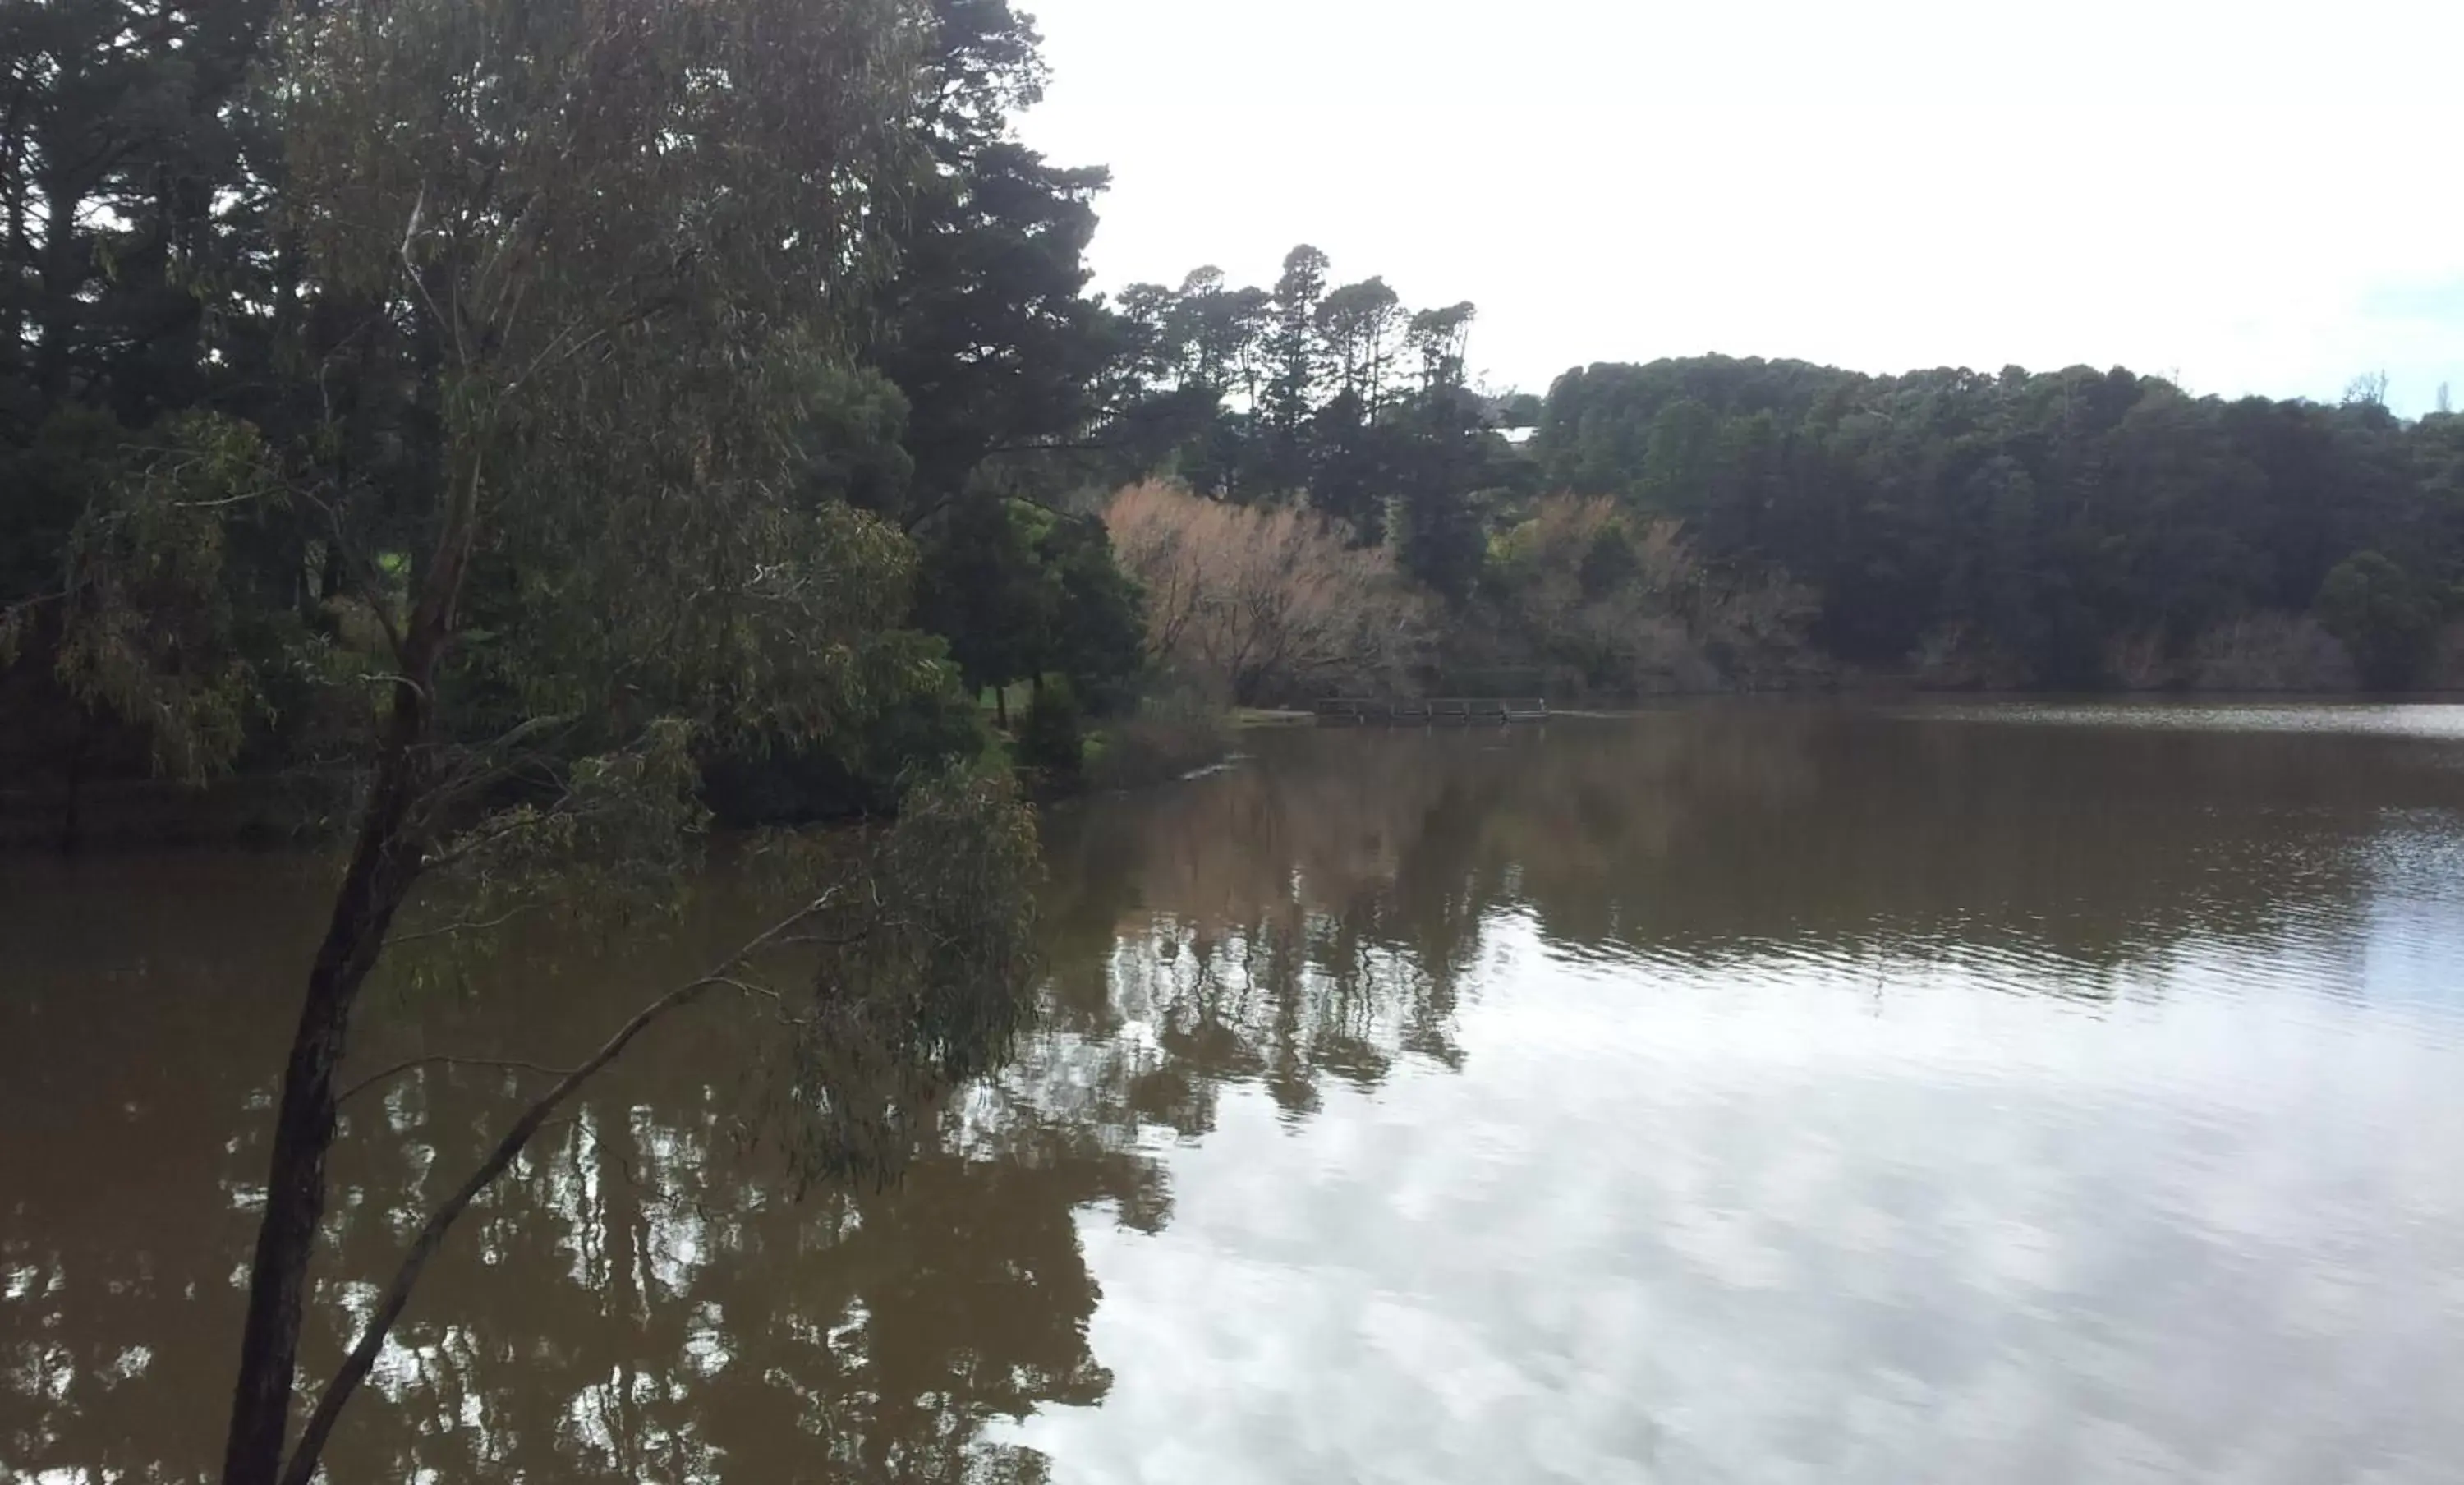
{"x": 1435, "y": 711}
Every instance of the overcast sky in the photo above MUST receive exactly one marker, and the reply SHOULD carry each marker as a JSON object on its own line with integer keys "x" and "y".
{"x": 2252, "y": 197}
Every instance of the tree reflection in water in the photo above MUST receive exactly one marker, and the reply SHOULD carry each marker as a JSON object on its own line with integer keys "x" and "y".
{"x": 643, "y": 1299}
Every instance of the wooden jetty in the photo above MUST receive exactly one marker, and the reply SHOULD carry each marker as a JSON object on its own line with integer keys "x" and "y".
{"x": 1426, "y": 712}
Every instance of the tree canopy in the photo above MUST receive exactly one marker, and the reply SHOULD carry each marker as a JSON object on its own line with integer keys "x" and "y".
{"x": 2047, "y": 524}
{"x": 511, "y": 452}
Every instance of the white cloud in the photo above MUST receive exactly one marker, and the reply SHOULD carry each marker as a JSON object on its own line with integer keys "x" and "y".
{"x": 1753, "y": 1223}
{"x": 2258, "y": 196}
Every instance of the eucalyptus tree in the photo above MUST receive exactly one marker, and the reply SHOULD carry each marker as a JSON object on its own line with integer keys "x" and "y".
{"x": 580, "y": 281}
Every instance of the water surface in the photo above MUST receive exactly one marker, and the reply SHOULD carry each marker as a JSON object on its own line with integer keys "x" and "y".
{"x": 1739, "y": 1093}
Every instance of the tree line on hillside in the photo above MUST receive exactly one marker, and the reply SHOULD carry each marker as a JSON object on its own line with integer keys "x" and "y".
{"x": 1714, "y": 522}
{"x": 1332, "y": 394}
{"x": 204, "y": 431}
{"x": 2072, "y": 528}
{"x": 1706, "y": 523}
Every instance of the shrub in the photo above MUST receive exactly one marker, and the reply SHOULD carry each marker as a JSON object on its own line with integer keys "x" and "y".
{"x": 1264, "y": 605}
{"x": 1621, "y": 605}
{"x": 1159, "y": 745}
{"x": 2382, "y": 616}
{"x": 860, "y": 772}
{"x": 1052, "y": 739}
{"x": 2269, "y": 652}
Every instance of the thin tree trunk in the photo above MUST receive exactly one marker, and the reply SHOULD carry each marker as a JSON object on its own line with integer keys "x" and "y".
{"x": 385, "y": 864}
{"x": 382, "y": 867}
{"x": 20, "y": 259}
{"x": 301, "y": 1469}
{"x": 355, "y": 1369}
{"x": 61, "y": 277}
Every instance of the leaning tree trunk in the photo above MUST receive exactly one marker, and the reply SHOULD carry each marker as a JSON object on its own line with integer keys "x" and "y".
{"x": 385, "y": 863}
{"x": 379, "y": 878}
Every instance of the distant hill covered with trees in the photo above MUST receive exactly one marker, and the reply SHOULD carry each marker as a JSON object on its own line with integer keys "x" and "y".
{"x": 1709, "y": 522}
{"x": 2073, "y": 528}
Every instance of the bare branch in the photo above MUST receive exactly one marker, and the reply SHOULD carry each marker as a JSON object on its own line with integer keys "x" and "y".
{"x": 364, "y": 572}
{"x": 500, "y": 1064}
{"x": 837, "y": 941}
{"x": 301, "y": 1467}
{"x": 777, "y": 1002}
{"x": 411, "y": 268}
{"x": 503, "y": 757}
{"x": 464, "y": 926}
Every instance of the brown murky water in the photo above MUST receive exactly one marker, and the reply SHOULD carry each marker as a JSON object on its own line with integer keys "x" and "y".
{"x": 1755, "y": 1093}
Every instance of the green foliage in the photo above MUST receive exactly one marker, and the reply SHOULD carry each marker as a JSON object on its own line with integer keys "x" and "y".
{"x": 2382, "y": 616}
{"x": 986, "y": 328}
{"x": 861, "y": 770}
{"x": 1098, "y": 626}
{"x": 927, "y": 960}
{"x": 151, "y": 619}
{"x": 395, "y": 190}
{"x": 492, "y": 314}
{"x": 615, "y": 834}
{"x": 509, "y": 402}
{"x": 1590, "y": 599}
{"x": 851, "y": 446}
{"x": 1166, "y": 738}
{"x": 68, "y": 466}
{"x": 1295, "y": 356}
{"x": 2011, "y": 529}
{"x": 1333, "y": 393}
{"x": 1022, "y": 591}
{"x": 1052, "y": 737}
{"x": 980, "y": 586}
{"x": 1444, "y": 535}
{"x": 1609, "y": 563}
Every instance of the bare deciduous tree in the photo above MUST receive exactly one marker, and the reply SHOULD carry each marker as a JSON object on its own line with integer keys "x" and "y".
{"x": 1263, "y": 604}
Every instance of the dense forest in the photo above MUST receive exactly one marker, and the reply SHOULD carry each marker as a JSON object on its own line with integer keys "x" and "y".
{"x": 216, "y": 389}
{"x": 1713, "y": 522}
{"x": 2078, "y": 528}
{"x": 251, "y": 348}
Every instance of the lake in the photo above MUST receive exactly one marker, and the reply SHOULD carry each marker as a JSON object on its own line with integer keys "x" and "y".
{"x": 1729, "y": 1092}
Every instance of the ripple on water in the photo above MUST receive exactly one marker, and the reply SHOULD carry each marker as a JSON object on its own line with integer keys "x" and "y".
{"x": 2433, "y": 721}
{"x": 1770, "y": 1093}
